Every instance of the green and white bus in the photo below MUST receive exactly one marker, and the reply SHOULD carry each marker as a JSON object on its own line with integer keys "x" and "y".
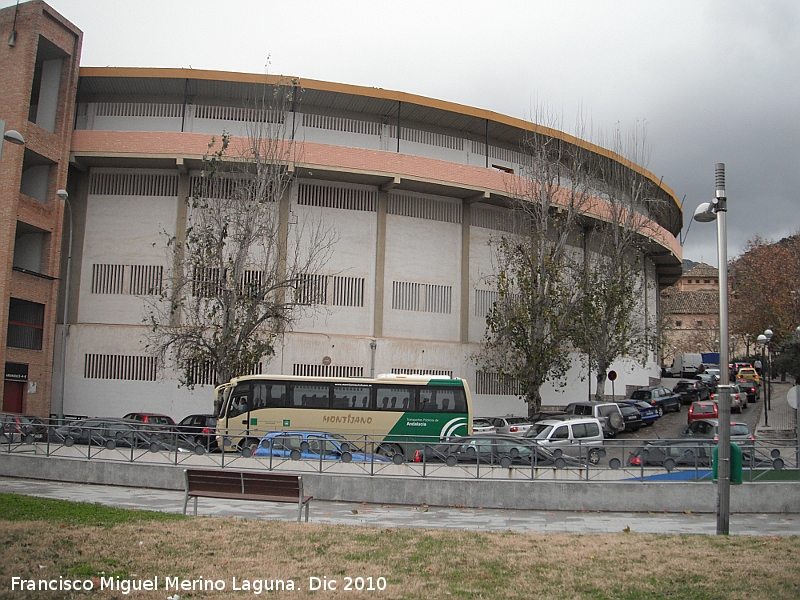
{"x": 398, "y": 412}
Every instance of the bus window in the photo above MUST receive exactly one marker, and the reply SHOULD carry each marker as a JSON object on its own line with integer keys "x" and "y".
{"x": 442, "y": 400}
{"x": 352, "y": 397}
{"x": 395, "y": 398}
{"x": 268, "y": 395}
{"x": 310, "y": 395}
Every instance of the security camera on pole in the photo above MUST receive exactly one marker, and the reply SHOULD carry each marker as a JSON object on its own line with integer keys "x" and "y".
{"x": 709, "y": 211}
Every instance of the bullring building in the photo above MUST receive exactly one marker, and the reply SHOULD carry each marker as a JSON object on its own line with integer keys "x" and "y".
{"x": 414, "y": 188}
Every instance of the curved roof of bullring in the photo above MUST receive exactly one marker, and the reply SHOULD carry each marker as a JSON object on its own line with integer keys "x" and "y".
{"x": 104, "y": 84}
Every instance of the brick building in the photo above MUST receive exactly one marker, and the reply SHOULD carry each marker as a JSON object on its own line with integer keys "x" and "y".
{"x": 39, "y": 60}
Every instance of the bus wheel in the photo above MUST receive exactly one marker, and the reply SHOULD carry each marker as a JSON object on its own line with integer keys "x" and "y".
{"x": 248, "y": 447}
{"x": 389, "y": 450}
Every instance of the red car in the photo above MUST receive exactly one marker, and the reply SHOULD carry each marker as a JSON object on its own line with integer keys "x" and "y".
{"x": 703, "y": 410}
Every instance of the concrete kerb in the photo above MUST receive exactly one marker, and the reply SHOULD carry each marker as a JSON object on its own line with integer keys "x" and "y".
{"x": 619, "y": 496}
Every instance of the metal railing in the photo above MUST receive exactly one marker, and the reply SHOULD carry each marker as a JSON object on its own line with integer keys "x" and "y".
{"x": 618, "y": 459}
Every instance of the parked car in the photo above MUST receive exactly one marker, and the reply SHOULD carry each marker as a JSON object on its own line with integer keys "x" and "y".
{"x": 738, "y": 398}
{"x": 502, "y": 450}
{"x": 22, "y": 428}
{"x": 686, "y": 365}
{"x": 710, "y": 380}
{"x": 200, "y": 429}
{"x": 709, "y": 429}
{"x": 673, "y": 453}
{"x": 649, "y": 413}
{"x": 703, "y": 410}
{"x": 113, "y": 433}
{"x": 511, "y": 425}
{"x": 691, "y": 391}
{"x": 660, "y": 397}
{"x": 632, "y": 418}
{"x": 482, "y": 426}
{"x": 151, "y": 419}
{"x": 313, "y": 445}
{"x": 580, "y": 437}
{"x": 608, "y": 413}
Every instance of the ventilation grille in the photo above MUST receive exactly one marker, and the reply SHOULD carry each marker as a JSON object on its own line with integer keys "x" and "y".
{"x": 422, "y": 297}
{"x": 233, "y": 113}
{"x": 500, "y": 219}
{"x": 120, "y": 366}
{"x": 348, "y": 291}
{"x": 302, "y": 370}
{"x": 312, "y": 289}
{"x": 493, "y": 383}
{"x": 435, "y": 372}
{"x": 207, "y": 283}
{"x": 218, "y": 187}
{"x": 204, "y": 373}
{"x": 484, "y": 301}
{"x": 341, "y": 124}
{"x": 107, "y": 279}
{"x": 332, "y": 290}
{"x": 512, "y": 156}
{"x": 133, "y": 184}
{"x": 137, "y": 280}
{"x": 432, "y": 139}
{"x": 137, "y": 109}
{"x": 424, "y": 207}
{"x": 328, "y": 196}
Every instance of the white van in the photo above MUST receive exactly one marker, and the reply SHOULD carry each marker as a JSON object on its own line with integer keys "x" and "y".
{"x": 573, "y": 436}
{"x": 686, "y": 365}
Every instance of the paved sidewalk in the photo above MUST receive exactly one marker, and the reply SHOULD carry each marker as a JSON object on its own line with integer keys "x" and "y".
{"x": 781, "y": 419}
{"x": 372, "y": 515}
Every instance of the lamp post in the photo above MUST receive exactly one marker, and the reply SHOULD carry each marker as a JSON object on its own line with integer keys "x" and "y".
{"x": 768, "y": 387}
{"x": 63, "y": 195}
{"x": 762, "y": 339}
{"x": 705, "y": 213}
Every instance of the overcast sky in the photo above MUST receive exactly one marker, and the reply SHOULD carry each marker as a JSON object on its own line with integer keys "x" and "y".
{"x": 714, "y": 81}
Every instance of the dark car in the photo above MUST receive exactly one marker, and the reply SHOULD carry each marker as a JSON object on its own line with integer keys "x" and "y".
{"x": 649, "y": 412}
{"x": 22, "y": 428}
{"x": 710, "y": 380}
{"x": 660, "y": 397}
{"x": 200, "y": 429}
{"x": 502, "y": 450}
{"x": 673, "y": 453}
{"x": 632, "y": 417}
{"x": 751, "y": 388}
{"x": 691, "y": 391}
{"x": 114, "y": 433}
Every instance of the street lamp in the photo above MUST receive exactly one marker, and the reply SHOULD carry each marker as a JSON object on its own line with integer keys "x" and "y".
{"x": 762, "y": 339}
{"x": 63, "y": 195}
{"x": 768, "y": 334}
{"x": 14, "y": 136}
{"x": 706, "y": 213}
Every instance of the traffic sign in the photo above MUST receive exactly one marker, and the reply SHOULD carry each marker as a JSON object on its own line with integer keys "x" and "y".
{"x": 792, "y": 395}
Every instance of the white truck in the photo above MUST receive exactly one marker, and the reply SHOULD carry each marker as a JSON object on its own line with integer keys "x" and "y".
{"x": 686, "y": 365}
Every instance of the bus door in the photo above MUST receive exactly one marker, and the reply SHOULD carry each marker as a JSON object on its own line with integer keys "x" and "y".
{"x": 238, "y": 414}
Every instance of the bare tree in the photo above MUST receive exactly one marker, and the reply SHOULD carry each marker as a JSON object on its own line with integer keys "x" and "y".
{"x": 612, "y": 321}
{"x": 527, "y": 329}
{"x": 245, "y": 270}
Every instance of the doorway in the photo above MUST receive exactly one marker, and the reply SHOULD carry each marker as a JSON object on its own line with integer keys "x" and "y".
{"x": 13, "y": 392}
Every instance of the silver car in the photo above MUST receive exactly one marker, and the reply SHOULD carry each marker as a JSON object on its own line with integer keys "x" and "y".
{"x": 574, "y": 437}
{"x": 511, "y": 425}
{"x": 482, "y": 426}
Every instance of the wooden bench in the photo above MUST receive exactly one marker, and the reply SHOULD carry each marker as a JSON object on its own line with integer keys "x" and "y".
{"x": 238, "y": 485}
